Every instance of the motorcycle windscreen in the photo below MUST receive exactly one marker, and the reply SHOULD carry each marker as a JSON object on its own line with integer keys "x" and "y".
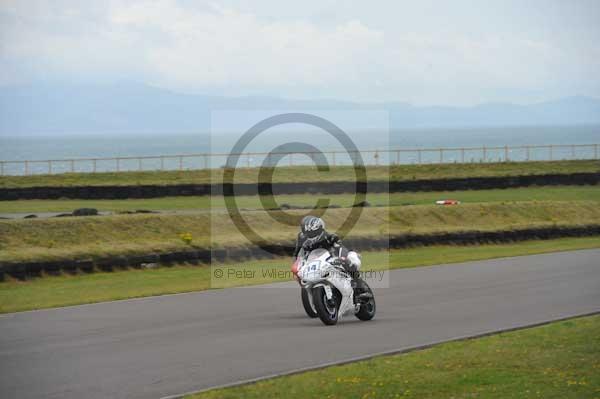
{"x": 317, "y": 254}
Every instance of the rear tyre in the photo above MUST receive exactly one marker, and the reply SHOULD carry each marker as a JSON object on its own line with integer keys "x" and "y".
{"x": 328, "y": 311}
{"x": 368, "y": 308}
{"x": 308, "y": 307}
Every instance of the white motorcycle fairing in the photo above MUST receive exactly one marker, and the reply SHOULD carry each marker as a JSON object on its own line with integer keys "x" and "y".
{"x": 317, "y": 271}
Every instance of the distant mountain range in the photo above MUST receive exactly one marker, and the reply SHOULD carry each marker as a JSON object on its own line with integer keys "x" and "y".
{"x": 134, "y": 108}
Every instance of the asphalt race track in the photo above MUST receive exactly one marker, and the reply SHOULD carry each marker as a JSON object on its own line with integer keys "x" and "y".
{"x": 160, "y": 346}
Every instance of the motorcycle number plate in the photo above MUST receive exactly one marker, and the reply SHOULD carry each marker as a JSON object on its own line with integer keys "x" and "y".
{"x": 328, "y": 291}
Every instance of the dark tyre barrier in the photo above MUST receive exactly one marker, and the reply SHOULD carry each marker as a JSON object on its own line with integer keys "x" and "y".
{"x": 340, "y": 187}
{"x": 85, "y": 212}
{"x": 136, "y": 261}
{"x": 111, "y": 263}
{"x": 204, "y": 256}
{"x": 178, "y": 257}
{"x": 49, "y": 267}
{"x": 86, "y": 266}
{"x": 239, "y": 253}
{"x": 35, "y": 270}
{"x": 23, "y": 270}
{"x": 219, "y": 255}
{"x": 17, "y": 270}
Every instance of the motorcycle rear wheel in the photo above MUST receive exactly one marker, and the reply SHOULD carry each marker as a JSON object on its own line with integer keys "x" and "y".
{"x": 367, "y": 310}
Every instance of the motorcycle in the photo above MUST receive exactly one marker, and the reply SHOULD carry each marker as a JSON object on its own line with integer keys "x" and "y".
{"x": 327, "y": 291}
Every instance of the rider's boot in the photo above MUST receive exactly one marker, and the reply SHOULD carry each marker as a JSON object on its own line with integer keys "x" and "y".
{"x": 357, "y": 286}
{"x": 361, "y": 294}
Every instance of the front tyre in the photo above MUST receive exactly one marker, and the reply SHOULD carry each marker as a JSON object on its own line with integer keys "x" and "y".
{"x": 327, "y": 310}
{"x": 308, "y": 307}
{"x": 367, "y": 305}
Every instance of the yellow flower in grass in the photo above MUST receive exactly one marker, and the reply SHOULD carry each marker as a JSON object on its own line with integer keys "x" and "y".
{"x": 186, "y": 238}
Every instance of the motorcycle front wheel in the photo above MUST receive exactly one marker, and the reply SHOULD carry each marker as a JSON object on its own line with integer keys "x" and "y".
{"x": 308, "y": 307}
{"x": 328, "y": 311}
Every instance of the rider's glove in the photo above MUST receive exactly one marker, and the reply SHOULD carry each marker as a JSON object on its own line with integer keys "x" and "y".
{"x": 341, "y": 262}
{"x": 337, "y": 262}
{"x": 333, "y": 239}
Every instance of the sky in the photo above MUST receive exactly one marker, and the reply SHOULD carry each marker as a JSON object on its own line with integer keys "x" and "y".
{"x": 423, "y": 52}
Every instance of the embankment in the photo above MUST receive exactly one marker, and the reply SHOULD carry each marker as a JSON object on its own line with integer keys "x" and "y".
{"x": 204, "y": 256}
{"x": 335, "y": 187}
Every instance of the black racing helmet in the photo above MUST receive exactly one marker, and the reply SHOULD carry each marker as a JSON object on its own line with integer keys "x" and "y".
{"x": 313, "y": 229}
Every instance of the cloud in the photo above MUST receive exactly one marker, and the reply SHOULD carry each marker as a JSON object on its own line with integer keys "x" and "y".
{"x": 220, "y": 47}
{"x": 163, "y": 42}
{"x": 224, "y": 50}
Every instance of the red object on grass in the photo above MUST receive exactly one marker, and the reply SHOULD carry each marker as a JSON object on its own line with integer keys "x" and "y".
{"x": 448, "y": 202}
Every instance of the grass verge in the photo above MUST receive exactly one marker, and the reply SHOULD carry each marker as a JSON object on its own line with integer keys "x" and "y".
{"x": 304, "y": 173}
{"x": 585, "y": 193}
{"x": 63, "y": 290}
{"x": 558, "y": 360}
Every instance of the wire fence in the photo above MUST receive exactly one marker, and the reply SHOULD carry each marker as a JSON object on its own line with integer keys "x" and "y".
{"x": 398, "y": 156}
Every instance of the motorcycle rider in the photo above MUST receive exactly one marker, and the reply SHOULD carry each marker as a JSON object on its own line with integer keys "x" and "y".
{"x": 313, "y": 235}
